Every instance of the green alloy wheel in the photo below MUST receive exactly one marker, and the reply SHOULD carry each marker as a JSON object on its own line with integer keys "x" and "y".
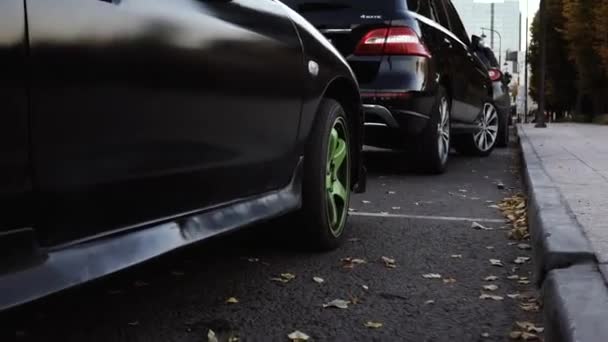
{"x": 337, "y": 178}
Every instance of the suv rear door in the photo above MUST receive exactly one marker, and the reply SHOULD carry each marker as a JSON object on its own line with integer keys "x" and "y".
{"x": 345, "y": 22}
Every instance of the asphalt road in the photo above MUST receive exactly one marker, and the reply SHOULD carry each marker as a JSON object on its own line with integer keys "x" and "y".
{"x": 179, "y": 297}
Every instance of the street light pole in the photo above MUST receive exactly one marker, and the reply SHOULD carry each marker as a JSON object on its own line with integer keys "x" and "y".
{"x": 499, "y": 43}
{"x": 540, "y": 115}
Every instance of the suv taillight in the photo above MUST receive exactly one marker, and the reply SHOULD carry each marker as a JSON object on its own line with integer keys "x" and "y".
{"x": 495, "y": 74}
{"x": 391, "y": 41}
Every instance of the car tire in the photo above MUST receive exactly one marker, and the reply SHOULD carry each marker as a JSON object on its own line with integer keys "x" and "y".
{"x": 482, "y": 142}
{"x": 433, "y": 146}
{"x": 327, "y": 177}
{"x": 502, "y": 139}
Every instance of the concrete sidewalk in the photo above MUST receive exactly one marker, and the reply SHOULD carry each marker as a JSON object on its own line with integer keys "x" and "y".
{"x": 566, "y": 172}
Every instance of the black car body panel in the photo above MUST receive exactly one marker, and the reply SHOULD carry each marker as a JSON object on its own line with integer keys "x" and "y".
{"x": 451, "y": 64}
{"x": 135, "y": 127}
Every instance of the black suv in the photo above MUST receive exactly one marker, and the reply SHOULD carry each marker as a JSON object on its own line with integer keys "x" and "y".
{"x": 423, "y": 88}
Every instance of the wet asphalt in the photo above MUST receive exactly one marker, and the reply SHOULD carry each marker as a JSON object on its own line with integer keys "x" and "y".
{"x": 179, "y": 297}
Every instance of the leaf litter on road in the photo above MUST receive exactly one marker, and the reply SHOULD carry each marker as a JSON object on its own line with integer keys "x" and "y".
{"x": 352, "y": 262}
{"x": 496, "y": 262}
{"x": 337, "y": 303}
{"x": 524, "y": 246}
{"x": 449, "y": 280}
{"x": 513, "y": 277}
{"x": 490, "y": 278}
{"x": 211, "y": 337}
{"x": 428, "y": 302}
{"x": 365, "y": 287}
{"x": 479, "y": 226}
{"x": 523, "y": 336}
{"x": 491, "y": 287}
{"x": 366, "y": 202}
{"x": 530, "y": 327}
{"x": 489, "y": 296}
{"x": 298, "y": 336}
{"x": 389, "y": 262}
{"x": 456, "y": 256}
{"x": 431, "y": 276}
{"x": 232, "y": 300}
{"x": 373, "y": 325}
{"x": 521, "y": 260}
{"x": 284, "y": 278}
{"x": 318, "y": 280}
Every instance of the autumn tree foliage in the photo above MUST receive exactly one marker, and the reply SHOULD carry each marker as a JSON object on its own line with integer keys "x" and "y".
{"x": 577, "y": 55}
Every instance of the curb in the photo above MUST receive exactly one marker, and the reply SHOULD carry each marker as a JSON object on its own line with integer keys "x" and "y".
{"x": 574, "y": 292}
{"x": 557, "y": 236}
{"x": 575, "y": 305}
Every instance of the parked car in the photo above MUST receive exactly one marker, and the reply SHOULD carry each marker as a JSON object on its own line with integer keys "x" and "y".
{"x": 133, "y": 128}
{"x": 422, "y": 87}
{"x": 500, "y": 89}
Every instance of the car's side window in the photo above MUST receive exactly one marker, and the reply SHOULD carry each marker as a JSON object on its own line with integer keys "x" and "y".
{"x": 456, "y": 25}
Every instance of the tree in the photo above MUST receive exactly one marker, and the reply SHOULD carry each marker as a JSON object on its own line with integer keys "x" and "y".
{"x": 600, "y": 32}
{"x": 560, "y": 86}
{"x": 580, "y": 27}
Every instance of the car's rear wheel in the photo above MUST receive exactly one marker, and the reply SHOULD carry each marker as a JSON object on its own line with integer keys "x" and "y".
{"x": 434, "y": 144}
{"x": 483, "y": 140}
{"x": 327, "y": 177}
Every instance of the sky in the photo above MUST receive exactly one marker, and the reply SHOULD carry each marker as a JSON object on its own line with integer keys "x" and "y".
{"x": 532, "y": 9}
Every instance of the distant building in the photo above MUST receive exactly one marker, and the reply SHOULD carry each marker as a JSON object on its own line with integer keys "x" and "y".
{"x": 477, "y": 14}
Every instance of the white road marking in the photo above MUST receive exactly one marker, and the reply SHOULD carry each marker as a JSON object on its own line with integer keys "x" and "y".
{"x": 423, "y": 217}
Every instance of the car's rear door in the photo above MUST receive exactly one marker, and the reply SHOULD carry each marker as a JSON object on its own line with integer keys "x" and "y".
{"x": 469, "y": 70}
{"x": 145, "y": 109}
{"x": 15, "y": 183}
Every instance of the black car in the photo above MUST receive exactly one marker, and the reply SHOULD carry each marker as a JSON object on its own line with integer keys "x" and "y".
{"x": 422, "y": 86}
{"x": 132, "y": 128}
{"x": 500, "y": 90}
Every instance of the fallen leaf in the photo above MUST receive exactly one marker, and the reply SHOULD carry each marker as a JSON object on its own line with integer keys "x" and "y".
{"x": 528, "y": 336}
{"x": 396, "y": 208}
{"x": 366, "y": 202}
{"x": 134, "y": 323}
{"x": 489, "y": 296}
{"x": 513, "y": 277}
{"x": 233, "y": 339}
{"x": 490, "y": 278}
{"x": 351, "y": 262}
{"x": 354, "y": 239}
{"x": 373, "y": 325}
{"x": 337, "y": 303}
{"x": 284, "y": 278}
{"x": 365, "y": 287}
{"x": 318, "y": 280}
{"x": 449, "y": 280}
{"x": 389, "y": 262}
{"x": 253, "y": 259}
{"x": 430, "y": 301}
{"x": 521, "y": 260}
{"x": 530, "y": 327}
{"x": 298, "y": 336}
{"x": 478, "y": 226}
{"x": 463, "y": 190}
{"x": 390, "y": 192}
{"x": 529, "y": 307}
{"x": 496, "y": 262}
{"x": 456, "y": 256}
{"x": 351, "y": 210}
{"x": 515, "y": 335}
{"x": 494, "y": 206}
{"x": 431, "y": 276}
{"x": 513, "y": 295}
{"x": 524, "y": 282}
{"x": 485, "y": 335}
{"x": 211, "y": 336}
{"x": 384, "y": 213}
{"x": 489, "y": 247}
{"x": 490, "y": 287}
{"x": 232, "y": 300}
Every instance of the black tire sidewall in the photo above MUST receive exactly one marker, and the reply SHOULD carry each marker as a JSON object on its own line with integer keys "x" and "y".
{"x": 314, "y": 210}
{"x": 428, "y": 145}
